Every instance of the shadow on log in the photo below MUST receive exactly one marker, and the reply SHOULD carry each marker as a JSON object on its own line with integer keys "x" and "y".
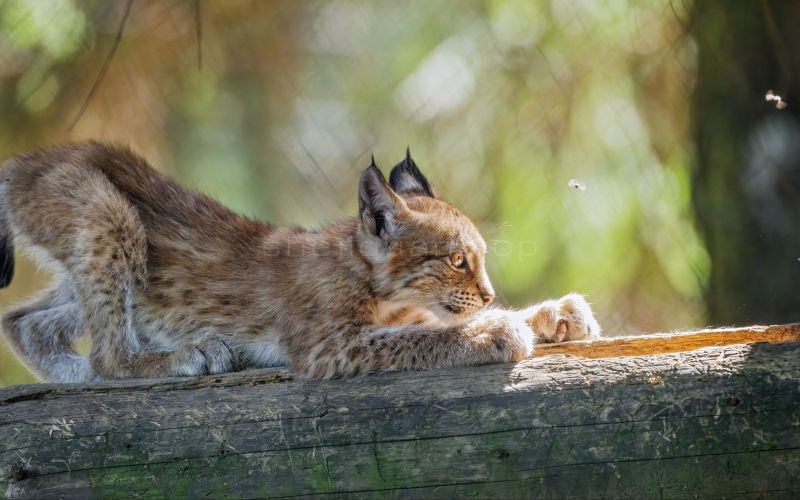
{"x": 721, "y": 420}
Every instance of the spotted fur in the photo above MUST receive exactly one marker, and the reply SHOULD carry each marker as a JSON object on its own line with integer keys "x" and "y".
{"x": 168, "y": 282}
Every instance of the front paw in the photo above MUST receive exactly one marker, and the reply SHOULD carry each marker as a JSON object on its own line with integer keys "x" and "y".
{"x": 568, "y": 318}
{"x": 209, "y": 354}
{"x": 509, "y": 332}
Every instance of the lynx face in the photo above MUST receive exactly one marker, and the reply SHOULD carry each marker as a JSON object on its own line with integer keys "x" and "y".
{"x": 429, "y": 257}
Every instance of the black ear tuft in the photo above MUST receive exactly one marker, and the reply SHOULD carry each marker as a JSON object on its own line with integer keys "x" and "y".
{"x": 407, "y": 179}
{"x": 377, "y": 203}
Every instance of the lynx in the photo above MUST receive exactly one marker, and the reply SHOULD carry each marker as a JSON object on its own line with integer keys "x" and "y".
{"x": 168, "y": 282}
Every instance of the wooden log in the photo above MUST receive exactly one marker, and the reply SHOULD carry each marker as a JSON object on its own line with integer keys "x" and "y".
{"x": 718, "y": 421}
{"x": 661, "y": 343}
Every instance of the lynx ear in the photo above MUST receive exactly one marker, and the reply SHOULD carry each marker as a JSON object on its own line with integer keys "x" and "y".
{"x": 378, "y": 205}
{"x": 407, "y": 179}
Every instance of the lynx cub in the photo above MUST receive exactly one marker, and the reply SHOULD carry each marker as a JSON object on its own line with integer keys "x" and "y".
{"x": 169, "y": 282}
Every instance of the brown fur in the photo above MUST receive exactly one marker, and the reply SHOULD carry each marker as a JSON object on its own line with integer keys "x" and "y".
{"x": 169, "y": 282}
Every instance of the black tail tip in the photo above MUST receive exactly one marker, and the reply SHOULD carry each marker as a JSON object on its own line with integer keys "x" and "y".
{"x": 6, "y": 262}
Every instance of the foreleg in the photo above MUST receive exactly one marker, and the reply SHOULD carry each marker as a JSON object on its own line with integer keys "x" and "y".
{"x": 494, "y": 336}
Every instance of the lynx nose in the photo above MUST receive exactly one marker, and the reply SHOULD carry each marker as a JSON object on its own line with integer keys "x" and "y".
{"x": 485, "y": 288}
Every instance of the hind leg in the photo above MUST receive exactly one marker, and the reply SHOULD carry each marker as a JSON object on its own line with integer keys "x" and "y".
{"x": 43, "y": 333}
{"x": 108, "y": 265}
{"x": 112, "y": 281}
{"x": 95, "y": 233}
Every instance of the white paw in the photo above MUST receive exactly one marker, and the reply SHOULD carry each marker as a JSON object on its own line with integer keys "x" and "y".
{"x": 510, "y": 322}
{"x": 524, "y": 333}
{"x": 568, "y": 318}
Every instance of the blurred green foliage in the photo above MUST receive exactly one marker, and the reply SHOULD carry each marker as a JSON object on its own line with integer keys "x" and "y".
{"x": 503, "y": 103}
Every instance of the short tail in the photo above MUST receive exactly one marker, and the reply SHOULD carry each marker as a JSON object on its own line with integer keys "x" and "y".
{"x": 6, "y": 244}
{"x": 6, "y": 260}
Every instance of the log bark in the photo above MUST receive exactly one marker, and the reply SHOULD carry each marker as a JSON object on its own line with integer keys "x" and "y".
{"x": 718, "y": 421}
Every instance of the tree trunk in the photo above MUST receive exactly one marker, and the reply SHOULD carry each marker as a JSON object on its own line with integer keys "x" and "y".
{"x": 712, "y": 422}
{"x": 746, "y": 185}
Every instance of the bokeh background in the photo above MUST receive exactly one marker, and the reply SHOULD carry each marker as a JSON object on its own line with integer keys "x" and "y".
{"x": 686, "y": 207}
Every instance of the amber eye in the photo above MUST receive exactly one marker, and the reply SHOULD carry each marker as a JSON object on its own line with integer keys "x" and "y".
{"x": 458, "y": 260}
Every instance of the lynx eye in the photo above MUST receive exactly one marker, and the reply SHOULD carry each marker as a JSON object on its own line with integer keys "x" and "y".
{"x": 458, "y": 260}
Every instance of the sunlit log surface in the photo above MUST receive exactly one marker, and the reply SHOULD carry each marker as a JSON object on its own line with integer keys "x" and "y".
{"x": 722, "y": 420}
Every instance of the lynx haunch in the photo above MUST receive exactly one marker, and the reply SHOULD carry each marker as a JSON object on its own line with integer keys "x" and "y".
{"x": 168, "y": 282}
